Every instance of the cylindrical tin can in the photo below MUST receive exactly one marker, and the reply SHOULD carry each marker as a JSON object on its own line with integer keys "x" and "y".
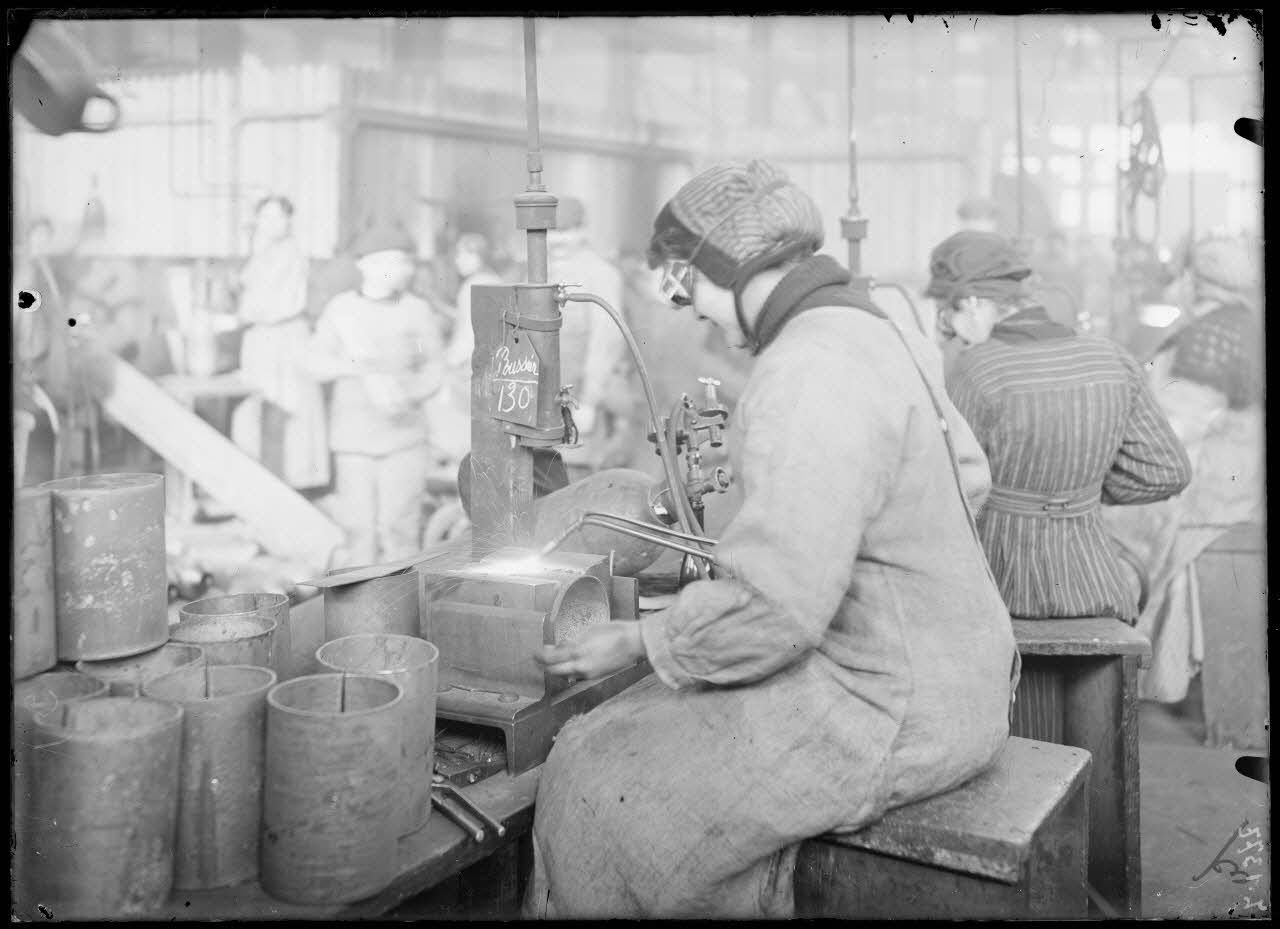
{"x": 104, "y": 807}
{"x": 48, "y": 691}
{"x": 273, "y": 606}
{"x": 35, "y": 621}
{"x": 224, "y": 726}
{"x": 329, "y": 800}
{"x": 228, "y": 640}
{"x": 412, "y": 663}
{"x": 127, "y": 676}
{"x": 387, "y": 604}
{"x": 109, "y": 565}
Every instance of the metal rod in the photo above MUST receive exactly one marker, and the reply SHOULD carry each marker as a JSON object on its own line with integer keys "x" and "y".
{"x": 650, "y": 527}
{"x": 855, "y": 247}
{"x": 1017, "y": 113}
{"x": 534, "y": 158}
{"x": 634, "y": 533}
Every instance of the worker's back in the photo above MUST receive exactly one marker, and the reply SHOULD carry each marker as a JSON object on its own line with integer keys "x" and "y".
{"x": 1067, "y": 424}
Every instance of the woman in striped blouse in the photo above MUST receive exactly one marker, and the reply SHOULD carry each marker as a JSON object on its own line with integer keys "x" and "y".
{"x": 1068, "y": 425}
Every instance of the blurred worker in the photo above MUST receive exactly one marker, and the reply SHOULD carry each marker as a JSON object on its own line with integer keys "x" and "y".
{"x": 283, "y": 425}
{"x": 450, "y": 409}
{"x": 978, "y": 214}
{"x": 1208, "y": 379}
{"x": 593, "y": 353}
{"x": 381, "y": 346}
{"x": 1067, "y": 423}
{"x": 854, "y": 654}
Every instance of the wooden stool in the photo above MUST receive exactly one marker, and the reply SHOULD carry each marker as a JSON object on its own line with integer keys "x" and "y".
{"x": 1011, "y": 843}
{"x": 1232, "y": 576}
{"x": 1079, "y": 687}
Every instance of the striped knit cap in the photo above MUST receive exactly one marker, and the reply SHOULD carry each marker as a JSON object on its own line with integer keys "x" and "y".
{"x": 976, "y": 264}
{"x": 734, "y": 220}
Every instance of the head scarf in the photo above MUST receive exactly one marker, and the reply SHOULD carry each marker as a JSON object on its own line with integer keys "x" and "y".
{"x": 976, "y": 264}
{"x": 735, "y": 220}
{"x": 1227, "y": 270}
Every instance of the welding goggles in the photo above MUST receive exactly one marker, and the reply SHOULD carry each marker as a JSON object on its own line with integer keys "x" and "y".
{"x": 678, "y": 279}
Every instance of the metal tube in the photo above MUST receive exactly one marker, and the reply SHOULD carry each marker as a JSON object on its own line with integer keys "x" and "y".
{"x": 665, "y": 451}
{"x": 1017, "y": 112}
{"x": 534, "y": 157}
{"x": 650, "y": 527}
{"x": 855, "y": 247}
{"x": 634, "y": 533}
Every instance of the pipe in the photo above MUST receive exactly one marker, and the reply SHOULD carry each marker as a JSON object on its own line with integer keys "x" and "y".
{"x": 906, "y": 295}
{"x": 589, "y": 519}
{"x": 665, "y": 452}
{"x": 651, "y": 527}
{"x": 533, "y": 159}
{"x": 1017, "y": 113}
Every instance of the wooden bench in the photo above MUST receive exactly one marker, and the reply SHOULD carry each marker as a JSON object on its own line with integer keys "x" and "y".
{"x": 1011, "y": 843}
{"x": 1079, "y": 687}
{"x": 1232, "y": 577}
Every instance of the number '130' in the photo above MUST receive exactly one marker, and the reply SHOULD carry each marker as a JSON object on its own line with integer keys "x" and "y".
{"x": 513, "y": 395}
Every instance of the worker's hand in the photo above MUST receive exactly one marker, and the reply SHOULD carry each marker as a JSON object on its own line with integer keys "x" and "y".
{"x": 600, "y": 650}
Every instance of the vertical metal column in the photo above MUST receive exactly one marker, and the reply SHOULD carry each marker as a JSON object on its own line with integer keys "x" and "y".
{"x": 1017, "y": 114}
{"x": 502, "y": 454}
{"x": 853, "y": 226}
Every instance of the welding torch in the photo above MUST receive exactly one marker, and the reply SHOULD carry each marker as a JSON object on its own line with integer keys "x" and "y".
{"x": 658, "y": 535}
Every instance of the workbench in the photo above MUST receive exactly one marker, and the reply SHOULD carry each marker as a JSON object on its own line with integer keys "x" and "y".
{"x": 436, "y": 852}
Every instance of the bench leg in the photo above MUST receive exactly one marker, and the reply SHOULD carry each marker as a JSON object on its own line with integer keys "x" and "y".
{"x": 1101, "y": 703}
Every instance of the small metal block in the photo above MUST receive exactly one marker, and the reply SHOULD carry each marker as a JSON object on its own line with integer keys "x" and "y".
{"x": 535, "y": 211}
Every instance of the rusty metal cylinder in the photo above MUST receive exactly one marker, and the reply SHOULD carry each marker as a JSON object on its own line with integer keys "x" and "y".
{"x": 232, "y": 608}
{"x": 48, "y": 691}
{"x": 128, "y": 676}
{"x": 412, "y": 663}
{"x": 104, "y": 807}
{"x": 109, "y": 565}
{"x": 230, "y": 640}
{"x": 329, "y": 811}
{"x": 387, "y": 604}
{"x": 34, "y": 618}
{"x": 224, "y": 725}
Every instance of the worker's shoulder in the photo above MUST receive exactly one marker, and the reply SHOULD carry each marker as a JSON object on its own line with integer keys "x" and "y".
{"x": 839, "y": 342}
{"x": 1054, "y": 362}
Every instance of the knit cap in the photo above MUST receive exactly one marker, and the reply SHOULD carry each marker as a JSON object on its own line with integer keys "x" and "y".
{"x": 734, "y": 220}
{"x": 976, "y": 264}
{"x": 383, "y": 238}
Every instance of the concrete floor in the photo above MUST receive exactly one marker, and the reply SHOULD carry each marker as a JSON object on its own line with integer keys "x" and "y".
{"x": 1193, "y": 801}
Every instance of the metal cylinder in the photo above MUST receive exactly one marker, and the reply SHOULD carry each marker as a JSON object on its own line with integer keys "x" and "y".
{"x": 413, "y": 664}
{"x": 230, "y": 640}
{"x": 104, "y": 807}
{"x": 109, "y": 565}
{"x": 272, "y": 606}
{"x": 579, "y": 605}
{"x": 224, "y": 727}
{"x": 48, "y": 691}
{"x": 383, "y": 604}
{"x": 35, "y": 624}
{"x": 329, "y": 799}
{"x": 127, "y": 676}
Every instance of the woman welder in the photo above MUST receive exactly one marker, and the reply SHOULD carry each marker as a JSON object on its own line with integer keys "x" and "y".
{"x": 1068, "y": 424}
{"x": 855, "y": 654}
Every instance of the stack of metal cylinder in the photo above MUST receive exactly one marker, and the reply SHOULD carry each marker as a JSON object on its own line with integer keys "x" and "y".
{"x": 153, "y": 758}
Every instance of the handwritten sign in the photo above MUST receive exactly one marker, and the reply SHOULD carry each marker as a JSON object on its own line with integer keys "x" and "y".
{"x": 512, "y": 377}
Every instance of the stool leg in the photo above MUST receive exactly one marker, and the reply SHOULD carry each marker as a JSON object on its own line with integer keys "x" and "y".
{"x": 1102, "y": 717}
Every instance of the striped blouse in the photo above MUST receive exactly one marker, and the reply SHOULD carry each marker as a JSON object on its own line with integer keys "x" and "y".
{"x": 1067, "y": 423}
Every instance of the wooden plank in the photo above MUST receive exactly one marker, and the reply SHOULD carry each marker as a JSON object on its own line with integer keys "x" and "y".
{"x": 984, "y": 827}
{"x": 279, "y": 517}
{"x": 1094, "y": 636}
{"x": 1102, "y": 718}
{"x": 435, "y": 852}
{"x": 1232, "y": 577}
